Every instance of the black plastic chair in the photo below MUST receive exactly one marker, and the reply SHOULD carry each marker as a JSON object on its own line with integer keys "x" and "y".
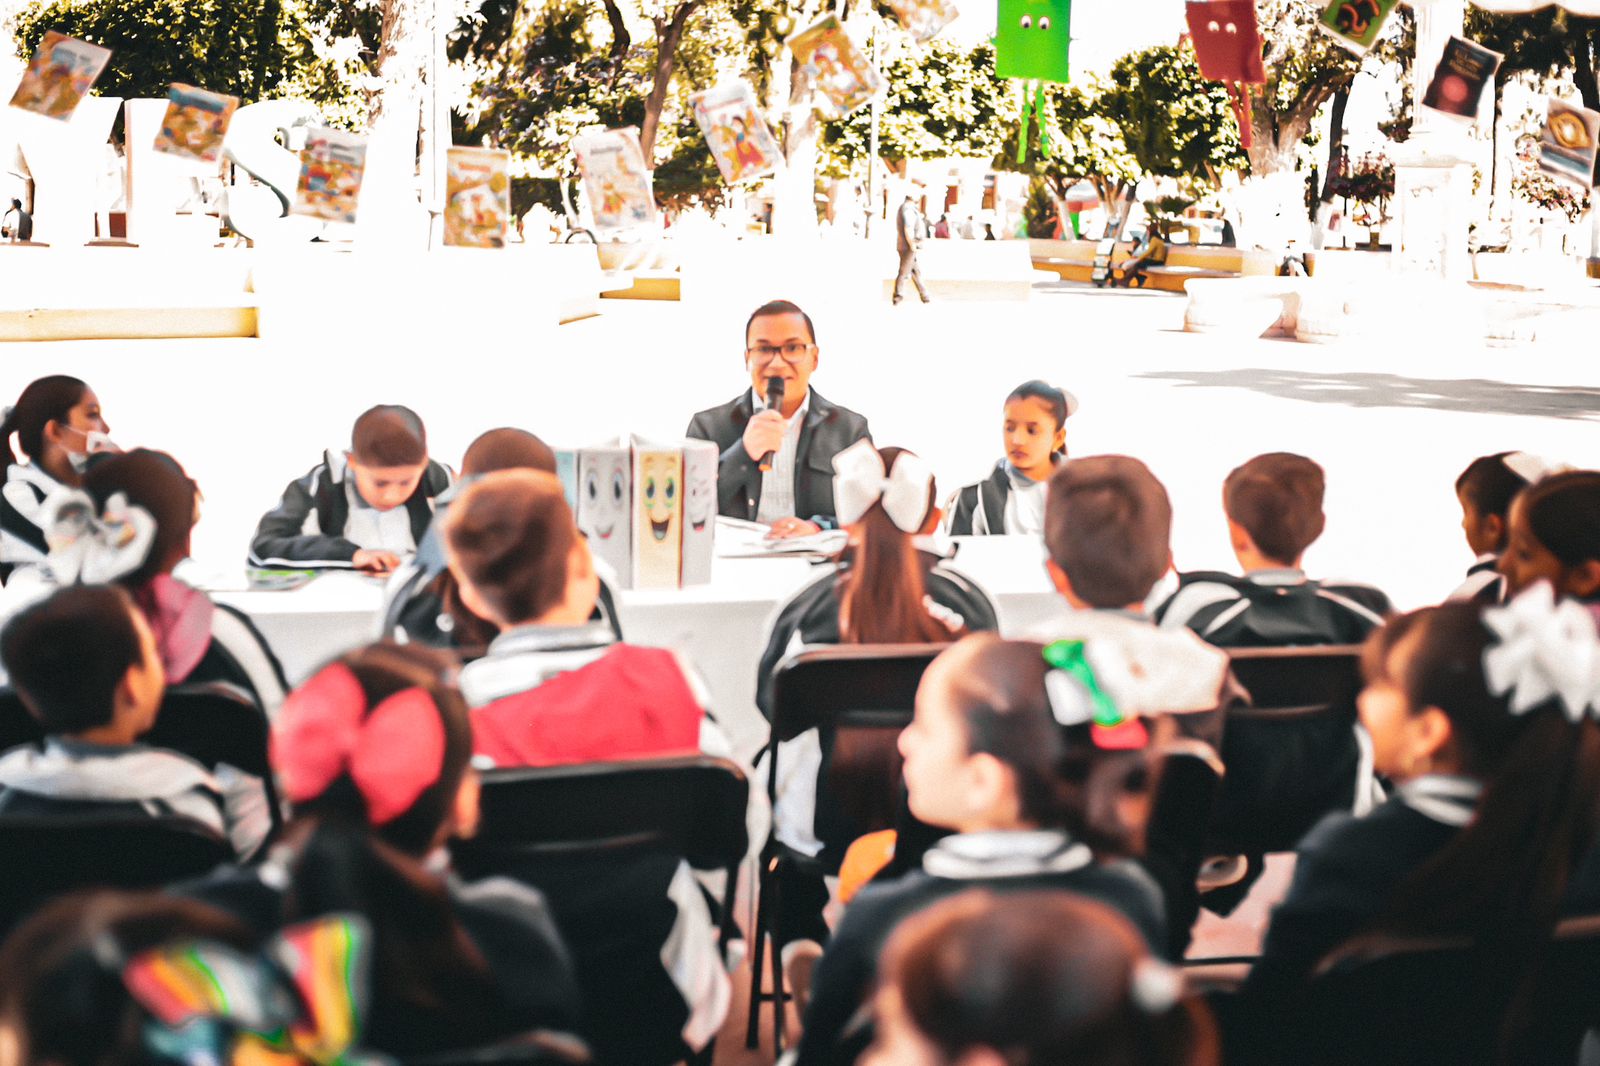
{"x": 858, "y": 696}
{"x": 1390, "y": 1000}
{"x": 47, "y": 855}
{"x": 585, "y": 834}
{"x": 1293, "y": 756}
{"x": 17, "y": 726}
{"x": 1188, "y": 776}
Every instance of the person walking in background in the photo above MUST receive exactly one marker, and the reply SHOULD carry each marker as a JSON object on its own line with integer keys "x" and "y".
{"x": 907, "y": 232}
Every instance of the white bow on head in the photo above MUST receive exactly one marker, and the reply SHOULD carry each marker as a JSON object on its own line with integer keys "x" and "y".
{"x": 91, "y": 547}
{"x": 859, "y": 481}
{"x": 1533, "y": 468}
{"x": 1546, "y": 649}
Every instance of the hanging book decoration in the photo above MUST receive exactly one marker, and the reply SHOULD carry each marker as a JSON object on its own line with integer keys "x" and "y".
{"x": 1227, "y": 42}
{"x": 195, "y": 124}
{"x": 330, "y": 175}
{"x": 477, "y": 207}
{"x": 740, "y": 141}
{"x": 840, "y": 70}
{"x": 1356, "y": 24}
{"x": 1458, "y": 82}
{"x": 1567, "y": 146}
{"x": 59, "y": 75}
{"x": 615, "y": 179}
{"x": 1031, "y": 44}
{"x": 923, "y": 19}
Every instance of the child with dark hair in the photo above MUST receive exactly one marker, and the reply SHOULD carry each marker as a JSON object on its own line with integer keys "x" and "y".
{"x": 1554, "y": 536}
{"x": 63, "y": 1000}
{"x": 374, "y": 754}
{"x": 1002, "y": 751}
{"x": 421, "y": 601}
{"x": 363, "y": 509}
{"x": 557, "y": 687}
{"x": 130, "y": 524}
{"x": 1274, "y": 508}
{"x": 57, "y": 424}
{"x": 87, "y": 667}
{"x": 1485, "y": 490}
{"x": 1032, "y": 979}
{"x": 884, "y": 588}
{"x": 1011, "y": 500}
{"x": 1484, "y": 718}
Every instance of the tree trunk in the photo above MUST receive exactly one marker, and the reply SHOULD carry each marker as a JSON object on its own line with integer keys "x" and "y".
{"x": 669, "y": 34}
{"x": 1583, "y": 70}
{"x": 402, "y": 58}
{"x": 621, "y": 41}
{"x": 1341, "y": 99}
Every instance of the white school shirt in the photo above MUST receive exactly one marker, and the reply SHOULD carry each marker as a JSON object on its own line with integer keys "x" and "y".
{"x": 373, "y": 530}
{"x": 1025, "y": 504}
{"x": 777, "y": 484}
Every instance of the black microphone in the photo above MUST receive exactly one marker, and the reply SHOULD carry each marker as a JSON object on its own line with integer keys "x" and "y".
{"x": 774, "y": 403}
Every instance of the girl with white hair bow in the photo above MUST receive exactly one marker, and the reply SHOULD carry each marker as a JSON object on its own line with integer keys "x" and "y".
{"x": 1485, "y": 721}
{"x": 882, "y": 589}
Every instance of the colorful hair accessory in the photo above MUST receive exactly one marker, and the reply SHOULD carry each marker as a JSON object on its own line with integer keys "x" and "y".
{"x": 1546, "y": 649}
{"x": 91, "y": 546}
{"x": 1076, "y": 697}
{"x": 860, "y": 480}
{"x": 303, "y": 1000}
{"x": 393, "y": 754}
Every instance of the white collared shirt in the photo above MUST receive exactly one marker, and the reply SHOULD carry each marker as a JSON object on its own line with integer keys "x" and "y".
{"x": 373, "y": 530}
{"x": 777, "y": 484}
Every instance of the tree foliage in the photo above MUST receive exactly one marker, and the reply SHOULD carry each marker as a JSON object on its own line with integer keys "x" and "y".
{"x": 1305, "y": 69}
{"x": 1550, "y": 43}
{"x": 1173, "y": 122}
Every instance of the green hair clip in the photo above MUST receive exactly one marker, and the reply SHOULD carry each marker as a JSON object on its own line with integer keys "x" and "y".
{"x": 1111, "y": 728}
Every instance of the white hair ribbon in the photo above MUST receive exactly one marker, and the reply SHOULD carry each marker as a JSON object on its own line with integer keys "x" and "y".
{"x": 859, "y": 481}
{"x": 1546, "y": 649}
{"x": 94, "y": 548}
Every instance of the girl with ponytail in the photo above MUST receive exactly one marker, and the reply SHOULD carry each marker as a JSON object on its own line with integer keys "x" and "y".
{"x": 1013, "y": 753}
{"x": 1485, "y": 720}
{"x": 374, "y": 756}
{"x": 56, "y": 424}
{"x": 882, "y": 589}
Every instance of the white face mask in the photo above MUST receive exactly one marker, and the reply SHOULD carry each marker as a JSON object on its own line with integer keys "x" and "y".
{"x": 94, "y": 442}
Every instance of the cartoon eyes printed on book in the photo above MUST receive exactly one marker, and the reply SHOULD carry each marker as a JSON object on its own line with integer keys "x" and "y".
{"x": 1044, "y": 22}
{"x": 592, "y": 487}
{"x": 617, "y": 487}
{"x": 1216, "y": 27}
{"x": 1027, "y": 22}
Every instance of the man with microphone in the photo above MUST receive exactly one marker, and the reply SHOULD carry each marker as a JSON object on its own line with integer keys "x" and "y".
{"x": 778, "y": 438}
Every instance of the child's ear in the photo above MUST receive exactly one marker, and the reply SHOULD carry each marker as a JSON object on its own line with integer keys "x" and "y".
{"x": 1494, "y": 531}
{"x": 1239, "y": 538}
{"x": 1583, "y": 580}
{"x": 1058, "y": 578}
{"x": 472, "y": 599}
{"x": 464, "y": 816}
{"x": 1431, "y": 731}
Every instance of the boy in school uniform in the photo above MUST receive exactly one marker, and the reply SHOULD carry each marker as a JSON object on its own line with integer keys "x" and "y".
{"x": 86, "y": 665}
{"x": 363, "y": 509}
{"x": 1274, "y": 508}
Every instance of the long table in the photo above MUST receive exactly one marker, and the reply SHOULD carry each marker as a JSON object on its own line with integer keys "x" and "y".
{"x": 721, "y": 626}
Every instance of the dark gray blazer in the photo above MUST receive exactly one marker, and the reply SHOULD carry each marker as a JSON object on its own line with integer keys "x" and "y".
{"x": 828, "y": 430}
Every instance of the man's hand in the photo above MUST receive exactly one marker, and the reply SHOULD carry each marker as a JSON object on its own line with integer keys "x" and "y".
{"x": 764, "y": 433}
{"x": 784, "y": 528}
{"x": 375, "y": 562}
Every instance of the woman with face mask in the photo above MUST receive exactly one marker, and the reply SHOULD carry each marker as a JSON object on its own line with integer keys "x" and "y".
{"x": 56, "y": 424}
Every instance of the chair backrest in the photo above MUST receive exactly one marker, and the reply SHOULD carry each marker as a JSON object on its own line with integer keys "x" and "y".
{"x": 1292, "y": 756}
{"x": 1299, "y": 677}
{"x": 1422, "y": 1001}
{"x": 692, "y": 805}
{"x": 859, "y": 697}
{"x": 540, "y": 1048}
{"x": 17, "y": 726}
{"x": 1188, "y": 776}
{"x": 45, "y": 856}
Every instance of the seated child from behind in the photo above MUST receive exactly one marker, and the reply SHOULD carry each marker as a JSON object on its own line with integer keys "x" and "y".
{"x": 363, "y": 509}
{"x": 86, "y": 665}
{"x": 1274, "y": 510}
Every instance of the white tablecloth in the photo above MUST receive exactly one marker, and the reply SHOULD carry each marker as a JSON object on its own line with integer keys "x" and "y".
{"x": 720, "y": 626}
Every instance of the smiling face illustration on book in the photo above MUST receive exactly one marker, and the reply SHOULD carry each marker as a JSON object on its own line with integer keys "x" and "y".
{"x": 658, "y": 480}
{"x": 604, "y": 503}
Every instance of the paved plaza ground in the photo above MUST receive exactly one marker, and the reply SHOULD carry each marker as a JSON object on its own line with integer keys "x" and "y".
{"x": 1392, "y": 423}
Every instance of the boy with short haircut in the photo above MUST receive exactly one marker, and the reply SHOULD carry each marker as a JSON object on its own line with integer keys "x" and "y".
{"x": 364, "y": 509}
{"x": 86, "y": 665}
{"x": 1274, "y": 508}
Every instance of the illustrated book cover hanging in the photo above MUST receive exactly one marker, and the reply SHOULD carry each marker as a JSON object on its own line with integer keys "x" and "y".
{"x": 196, "y": 123}
{"x": 737, "y": 135}
{"x": 841, "y": 71}
{"x": 1464, "y": 70}
{"x": 331, "y": 168}
{"x": 477, "y": 209}
{"x": 1357, "y": 24}
{"x": 1567, "y": 145}
{"x": 615, "y": 179}
{"x": 61, "y": 72}
{"x": 923, "y": 19}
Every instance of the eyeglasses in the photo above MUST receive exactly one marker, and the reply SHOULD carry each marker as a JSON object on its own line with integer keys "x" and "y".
{"x": 793, "y": 353}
